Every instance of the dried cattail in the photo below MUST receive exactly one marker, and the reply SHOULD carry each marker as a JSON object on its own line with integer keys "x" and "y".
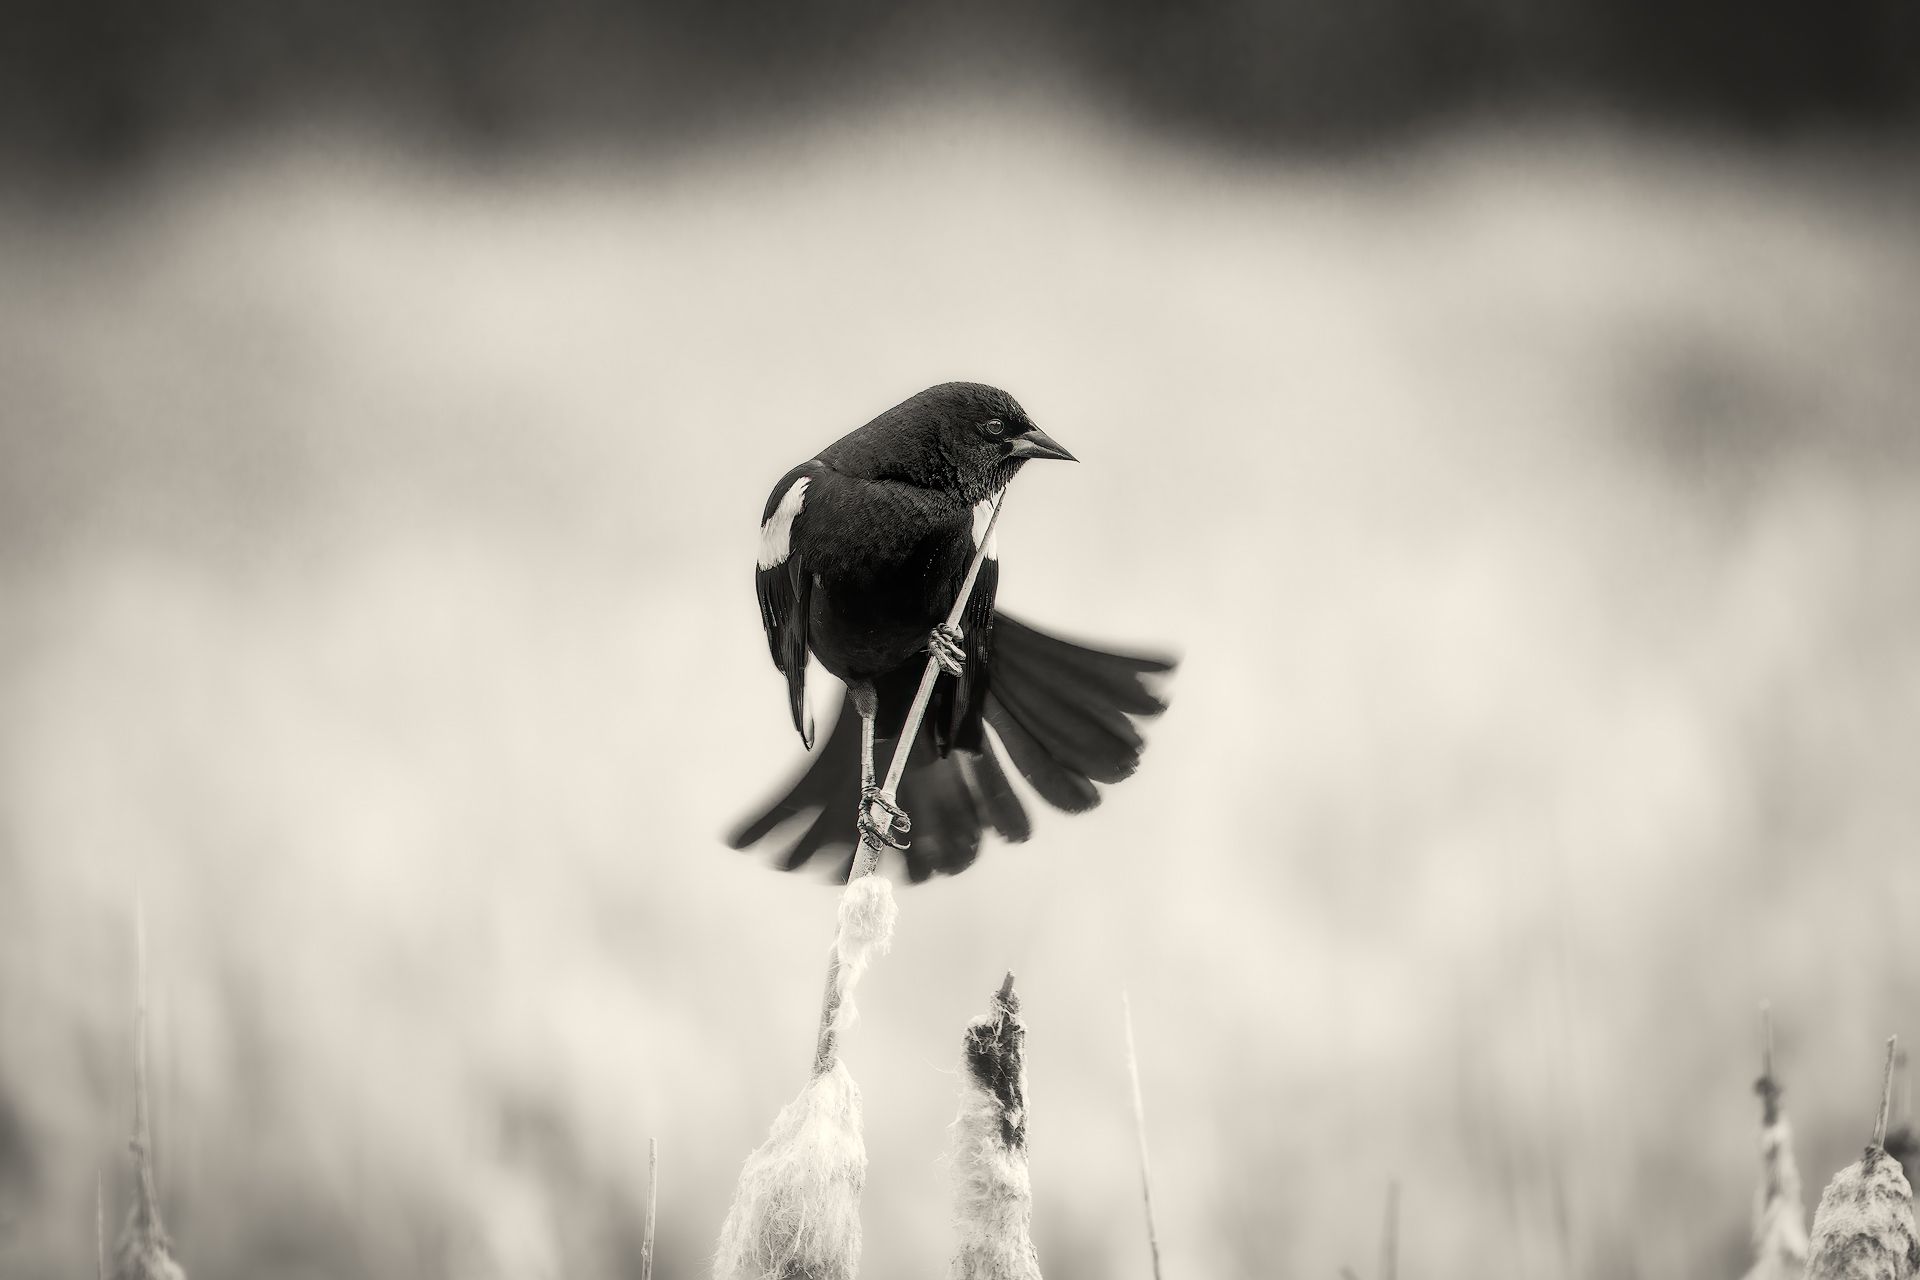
{"x": 1779, "y": 1209}
{"x": 145, "y": 1252}
{"x": 653, "y": 1199}
{"x": 1390, "y": 1234}
{"x": 796, "y": 1213}
{"x": 1864, "y": 1228}
{"x": 992, "y": 1194}
{"x": 867, "y": 916}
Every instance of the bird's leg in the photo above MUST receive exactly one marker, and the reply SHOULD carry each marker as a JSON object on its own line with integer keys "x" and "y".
{"x": 894, "y": 832}
{"x": 944, "y": 645}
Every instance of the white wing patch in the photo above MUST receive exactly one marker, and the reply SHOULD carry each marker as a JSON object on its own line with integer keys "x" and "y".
{"x": 982, "y": 514}
{"x": 776, "y": 535}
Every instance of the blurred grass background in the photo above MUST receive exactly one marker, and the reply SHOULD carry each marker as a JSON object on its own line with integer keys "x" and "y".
{"x": 1534, "y": 498}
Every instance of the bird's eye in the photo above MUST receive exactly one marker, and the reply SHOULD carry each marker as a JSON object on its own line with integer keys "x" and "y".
{"x": 994, "y": 428}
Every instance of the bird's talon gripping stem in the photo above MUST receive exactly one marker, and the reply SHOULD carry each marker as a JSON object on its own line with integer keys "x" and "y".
{"x": 894, "y": 834}
{"x": 944, "y": 645}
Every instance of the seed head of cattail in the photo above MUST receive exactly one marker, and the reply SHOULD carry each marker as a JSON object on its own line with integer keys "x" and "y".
{"x": 1903, "y": 1144}
{"x": 796, "y": 1212}
{"x": 1864, "y": 1227}
{"x": 1779, "y": 1212}
{"x": 993, "y": 1196}
{"x": 866, "y": 920}
{"x": 145, "y": 1258}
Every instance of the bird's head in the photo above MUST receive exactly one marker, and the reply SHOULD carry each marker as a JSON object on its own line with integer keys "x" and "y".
{"x": 970, "y": 437}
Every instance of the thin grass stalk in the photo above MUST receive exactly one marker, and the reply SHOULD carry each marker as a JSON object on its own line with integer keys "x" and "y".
{"x": 653, "y": 1195}
{"x": 1886, "y": 1094}
{"x": 1140, "y": 1129}
{"x": 1390, "y": 1233}
{"x": 145, "y": 1252}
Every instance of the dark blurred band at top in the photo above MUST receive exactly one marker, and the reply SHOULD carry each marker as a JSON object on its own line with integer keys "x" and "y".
{"x": 105, "y": 83}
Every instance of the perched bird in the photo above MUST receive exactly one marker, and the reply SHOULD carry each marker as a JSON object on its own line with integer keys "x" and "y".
{"x": 863, "y": 551}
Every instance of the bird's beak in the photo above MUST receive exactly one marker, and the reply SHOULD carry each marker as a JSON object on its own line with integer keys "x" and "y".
{"x": 1038, "y": 444}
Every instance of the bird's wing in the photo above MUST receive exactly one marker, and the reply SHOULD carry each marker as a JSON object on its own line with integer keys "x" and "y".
{"x": 785, "y": 587}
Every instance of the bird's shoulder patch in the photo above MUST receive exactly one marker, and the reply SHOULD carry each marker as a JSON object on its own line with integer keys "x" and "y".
{"x": 783, "y": 508}
{"x": 982, "y": 517}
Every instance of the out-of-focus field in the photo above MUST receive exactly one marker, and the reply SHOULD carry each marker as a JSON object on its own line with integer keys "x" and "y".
{"x": 1538, "y": 517}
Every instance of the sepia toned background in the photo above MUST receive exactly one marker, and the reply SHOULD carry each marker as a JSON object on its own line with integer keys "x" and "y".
{"x": 1507, "y": 414}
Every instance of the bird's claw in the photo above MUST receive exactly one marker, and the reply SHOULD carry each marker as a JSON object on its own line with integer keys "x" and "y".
{"x": 944, "y": 645}
{"x": 894, "y": 833}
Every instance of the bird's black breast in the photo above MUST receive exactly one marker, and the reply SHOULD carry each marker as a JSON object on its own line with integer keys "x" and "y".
{"x": 888, "y": 560}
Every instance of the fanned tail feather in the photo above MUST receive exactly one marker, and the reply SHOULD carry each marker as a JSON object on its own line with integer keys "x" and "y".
{"x": 1062, "y": 713}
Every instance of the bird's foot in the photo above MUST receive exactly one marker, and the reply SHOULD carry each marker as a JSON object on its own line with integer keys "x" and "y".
{"x": 944, "y": 645}
{"x": 894, "y": 833}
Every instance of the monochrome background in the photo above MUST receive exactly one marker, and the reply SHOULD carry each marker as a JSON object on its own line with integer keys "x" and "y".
{"x": 1507, "y": 413}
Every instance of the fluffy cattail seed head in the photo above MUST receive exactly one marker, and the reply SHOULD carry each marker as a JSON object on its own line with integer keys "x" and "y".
{"x": 796, "y": 1212}
{"x": 1864, "y": 1227}
{"x": 993, "y": 1196}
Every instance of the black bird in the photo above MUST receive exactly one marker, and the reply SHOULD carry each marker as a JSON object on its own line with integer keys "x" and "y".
{"x": 863, "y": 551}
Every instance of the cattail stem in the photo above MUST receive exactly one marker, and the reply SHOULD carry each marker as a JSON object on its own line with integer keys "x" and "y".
{"x": 653, "y": 1195}
{"x": 1140, "y": 1127}
{"x": 145, "y": 1252}
{"x": 1766, "y": 1086}
{"x": 867, "y": 855}
{"x": 146, "y": 1188}
{"x": 897, "y": 767}
{"x": 1886, "y": 1095}
{"x": 99, "y": 1227}
{"x": 1766, "y": 1040}
{"x": 1390, "y": 1233}
{"x": 1779, "y": 1223}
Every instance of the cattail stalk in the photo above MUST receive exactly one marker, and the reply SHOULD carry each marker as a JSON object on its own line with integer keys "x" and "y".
{"x": 1864, "y": 1228}
{"x": 796, "y": 1211}
{"x": 99, "y": 1228}
{"x": 867, "y": 856}
{"x": 1390, "y": 1233}
{"x": 145, "y": 1252}
{"x": 992, "y": 1192}
{"x": 1779, "y": 1213}
{"x": 653, "y": 1196}
{"x": 1886, "y": 1094}
{"x": 1140, "y": 1128}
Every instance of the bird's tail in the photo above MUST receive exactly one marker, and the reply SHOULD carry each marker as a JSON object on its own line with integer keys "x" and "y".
{"x": 1063, "y": 714}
